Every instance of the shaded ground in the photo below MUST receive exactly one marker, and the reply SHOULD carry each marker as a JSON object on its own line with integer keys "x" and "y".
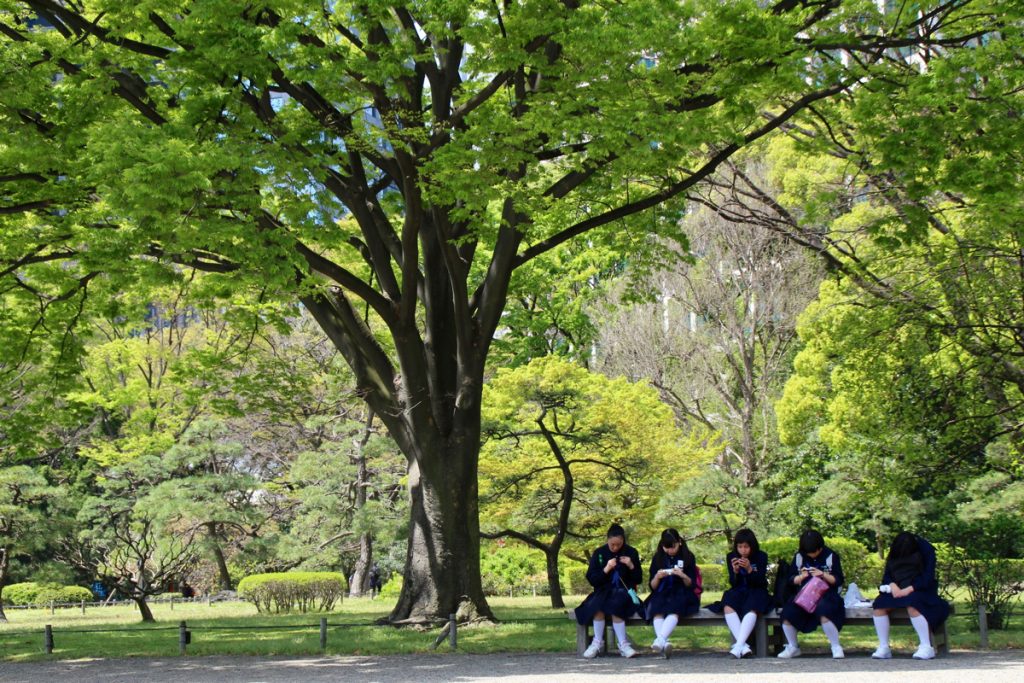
{"x": 987, "y": 666}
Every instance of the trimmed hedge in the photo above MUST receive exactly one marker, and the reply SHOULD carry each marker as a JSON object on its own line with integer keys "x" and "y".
{"x": 31, "y": 593}
{"x": 860, "y": 566}
{"x": 285, "y": 591}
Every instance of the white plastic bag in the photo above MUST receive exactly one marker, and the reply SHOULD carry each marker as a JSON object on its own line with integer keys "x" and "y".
{"x": 853, "y": 597}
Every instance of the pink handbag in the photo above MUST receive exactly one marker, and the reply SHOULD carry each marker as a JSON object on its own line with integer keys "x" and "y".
{"x": 810, "y": 593}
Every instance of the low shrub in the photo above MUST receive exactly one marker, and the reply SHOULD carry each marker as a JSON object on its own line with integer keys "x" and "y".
{"x": 64, "y": 594}
{"x": 576, "y": 576}
{"x": 714, "y": 576}
{"x": 393, "y": 587}
{"x": 32, "y": 593}
{"x": 996, "y": 583}
{"x": 286, "y": 591}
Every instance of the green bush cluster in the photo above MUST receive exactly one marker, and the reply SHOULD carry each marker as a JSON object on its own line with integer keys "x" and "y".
{"x": 860, "y": 566}
{"x": 31, "y": 593}
{"x": 393, "y": 587}
{"x": 287, "y": 591}
{"x": 512, "y": 568}
{"x": 714, "y": 576}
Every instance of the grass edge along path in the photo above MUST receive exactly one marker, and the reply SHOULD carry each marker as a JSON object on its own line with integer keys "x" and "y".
{"x": 528, "y": 624}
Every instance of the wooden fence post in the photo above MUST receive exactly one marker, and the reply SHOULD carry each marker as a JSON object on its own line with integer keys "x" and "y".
{"x": 323, "y": 634}
{"x": 452, "y": 639}
{"x": 48, "y": 639}
{"x": 982, "y": 627}
{"x": 182, "y": 638}
{"x": 51, "y": 606}
{"x": 83, "y": 605}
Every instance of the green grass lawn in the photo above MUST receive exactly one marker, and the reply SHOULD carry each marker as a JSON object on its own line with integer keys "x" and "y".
{"x": 528, "y": 624}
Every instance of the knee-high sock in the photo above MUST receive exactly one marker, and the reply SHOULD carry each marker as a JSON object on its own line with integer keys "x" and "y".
{"x": 882, "y": 628}
{"x": 790, "y": 632}
{"x": 671, "y": 620}
{"x": 920, "y": 625}
{"x": 831, "y": 632}
{"x": 732, "y": 620}
{"x": 598, "y": 630}
{"x": 746, "y": 627}
{"x": 620, "y": 631}
{"x": 658, "y": 621}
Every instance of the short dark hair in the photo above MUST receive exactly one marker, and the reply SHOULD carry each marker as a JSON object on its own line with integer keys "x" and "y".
{"x": 616, "y": 530}
{"x": 746, "y": 536}
{"x": 811, "y": 541}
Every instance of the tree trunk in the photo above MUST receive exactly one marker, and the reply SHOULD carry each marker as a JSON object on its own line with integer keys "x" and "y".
{"x": 360, "y": 582}
{"x": 442, "y": 567}
{"x": 554, "y": 584}
{"x": 223, "y": 575}
{"x": 3, "y": 581}
{"x": 144, "y": 610}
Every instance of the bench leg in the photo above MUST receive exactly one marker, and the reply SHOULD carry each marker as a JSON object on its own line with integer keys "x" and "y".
{"x": 944, "y": 644}
{"x": 761, "y": 637}
{"x": 582, "y": 631}
{"x": 777, "y": 638}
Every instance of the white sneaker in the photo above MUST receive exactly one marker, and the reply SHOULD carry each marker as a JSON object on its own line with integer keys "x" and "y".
{"x": 789, "y": 652}
{"x": 882, "y": 653}
{"x": 837, "y": 652}
{"x": 657, "y": 646}
{"x": 626, "y": 650}
{"x": 925, "y": 652}
{"x": 594, "y": 649}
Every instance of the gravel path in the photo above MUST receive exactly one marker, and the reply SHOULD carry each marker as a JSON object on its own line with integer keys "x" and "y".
{"x": 957, "y": 668}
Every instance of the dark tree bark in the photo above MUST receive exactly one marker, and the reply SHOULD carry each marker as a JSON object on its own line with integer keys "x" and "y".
{"x": 360, "y": 580}
{"x": 144, "y": 610}
{"x": 223, "y": 575}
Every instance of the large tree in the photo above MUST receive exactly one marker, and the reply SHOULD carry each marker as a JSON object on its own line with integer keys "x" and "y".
{"x": 459, "y": 140}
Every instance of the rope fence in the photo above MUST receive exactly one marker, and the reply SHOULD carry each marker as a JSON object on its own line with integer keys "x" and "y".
{"x": 449, "y": 631}
{"x": 82, "y": 604}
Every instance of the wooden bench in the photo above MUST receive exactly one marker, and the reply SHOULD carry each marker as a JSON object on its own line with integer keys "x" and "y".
{"x": 855, "y": 616}
{"x": 704, "y": 617}
{"x": 864, "y": 616}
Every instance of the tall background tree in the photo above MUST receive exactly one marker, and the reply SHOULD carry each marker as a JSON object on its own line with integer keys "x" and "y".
{"x": 390, "y": 165}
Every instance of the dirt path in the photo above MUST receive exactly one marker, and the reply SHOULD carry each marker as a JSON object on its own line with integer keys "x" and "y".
{"x": 960, "y": 667}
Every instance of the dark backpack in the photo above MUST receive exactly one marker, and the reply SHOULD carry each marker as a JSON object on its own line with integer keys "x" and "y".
{"x": 784, "y": 588}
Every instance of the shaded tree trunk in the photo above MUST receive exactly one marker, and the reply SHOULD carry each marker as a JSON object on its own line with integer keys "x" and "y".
{"x": 554, "y": 582}
{"x": 442, "y": 568}
{"x": 360, "y": 581}
{"x": 223, "y": 575}
{"x": 4, "y": 562}
{"x": 144, "y": 610}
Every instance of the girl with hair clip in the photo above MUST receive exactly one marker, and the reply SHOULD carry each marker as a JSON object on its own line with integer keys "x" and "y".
{"x": 748, "y": 594}
{"x": 673, "y": 589}
{"x": 614, "y": 572}
{"x": 909, "y": 581}
{"x": 815, "y": 559}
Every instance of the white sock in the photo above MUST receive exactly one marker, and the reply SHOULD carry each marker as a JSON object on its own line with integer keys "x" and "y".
{"x": 920, "y": 625}
{"x": 882, "y": 628}
{"x": 746, "y": 627}
{"x": 732, "y": 620}
{"x": 658, "y": 621}
{"x": 671, "y": 621}
{"x": 790, "y": 632}
{"x": 598, "y": 630}
{"x": 620, "y": 631}
{"x": 831, "y": 632}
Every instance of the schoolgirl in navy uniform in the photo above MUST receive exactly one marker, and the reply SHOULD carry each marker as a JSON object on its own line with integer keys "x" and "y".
{"x": 910, "y": 577}
{"x": 813, "y": 559}
{"x": 673, "y": 582}
{"x": 748, "y": 594}
{"x": 614, "y": 570}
